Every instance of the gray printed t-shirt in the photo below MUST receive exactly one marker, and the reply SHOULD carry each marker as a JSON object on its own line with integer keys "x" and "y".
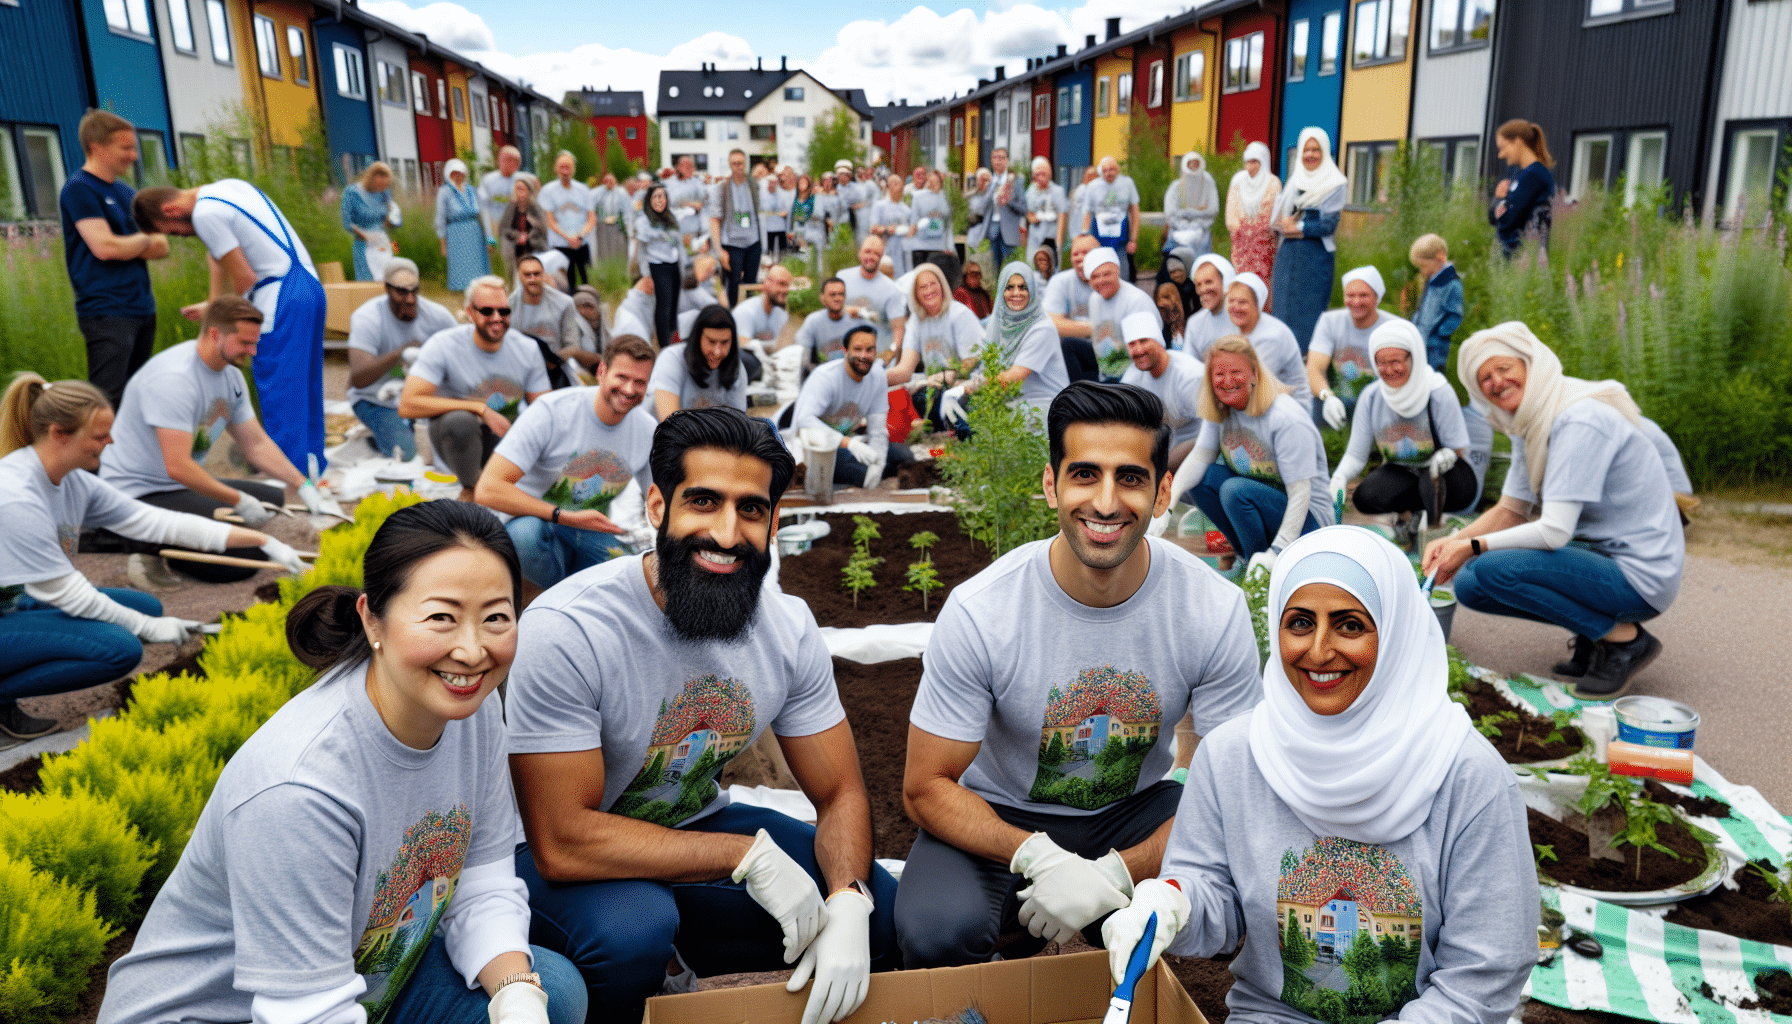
{"x": 43, "y": 520}
{"x": 597, "y": 666}
{"x": 1075, "y": 706}
{"x": 1336, "y": 335}
{"x": 554, "y": 319}
{"x": 752, "y": 321}
{"x": 1179, "y": 388}
{"x": 1404, "y": 440}
{"x": 880, "y": 295}
{"x": 825, "y": 337}
{"x": 1280, "y": 355}
{"x": 1105, "y": 319}
{"x": 1204, "y": 329}
{"x": 327, "y": 849}
{"x": 1041, "y": 352}
{"x": 953, "y": 335}
{"x": 831, "y": 398}
{"x": 574, "y": 460}
{"x": 1278, "y": 447}
{"x": 1627, "y": 510}
{"x": 374, "y": 330}
{"x": 670, "y": 374}
{"x": 175, "y": 390}
{"x": 741, "y": 229}
{"x": 460, "y": 369}
{"x": 1066, "y": 295}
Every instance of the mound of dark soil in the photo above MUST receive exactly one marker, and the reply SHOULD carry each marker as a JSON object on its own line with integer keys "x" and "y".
{"x": 1659, "y": 871}
{"x": 1484, "y": 700}
{"x": 1750, "y": 912}
{"x": 814, "y": 575}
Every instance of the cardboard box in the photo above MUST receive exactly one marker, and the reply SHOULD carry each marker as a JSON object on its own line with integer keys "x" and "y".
{"x": 1041, "y": 990}
{"x": 345, "y": 298}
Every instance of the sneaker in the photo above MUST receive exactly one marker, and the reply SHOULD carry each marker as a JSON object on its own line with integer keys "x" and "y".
{"x": 1581, "y": 651}
{"x": 1613, "y": 666}
{"x": 16, "y": 723}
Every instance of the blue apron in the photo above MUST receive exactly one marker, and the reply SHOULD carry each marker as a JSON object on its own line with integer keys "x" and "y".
{"x": 289, "y": 361}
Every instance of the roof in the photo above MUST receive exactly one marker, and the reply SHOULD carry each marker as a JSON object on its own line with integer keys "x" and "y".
{"x": 610, "y": 103}
{"x": 889, "y": 115}
{"x": 856, "y": 99}
{"x": 716, "y": 92}
{"x": 422, "y": 44}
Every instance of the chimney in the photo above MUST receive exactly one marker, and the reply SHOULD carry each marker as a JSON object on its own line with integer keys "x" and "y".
{"x": 761, "y": 64}
{"x": 1064, "y": 51}
{"x": 981, "y": 82}
{"x": 1088, "y": 40}
{"x": 1113, "y": 28}
{"x": 783, "y": 62}
{"x": 1002, "y": 73}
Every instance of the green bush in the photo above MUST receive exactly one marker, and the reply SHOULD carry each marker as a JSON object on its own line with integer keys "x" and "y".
{"x": 50, "y": 942}
{"x": 82, "y": 840}
{"x": 996, "y": 474}
{"x": 1150, "y": 254}
{"x": 256, "y": 642}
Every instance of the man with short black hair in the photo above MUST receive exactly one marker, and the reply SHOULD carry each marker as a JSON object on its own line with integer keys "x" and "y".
{"x": 841, "y": 393}
{"x": 1040, "y": 739}
{"x": 384, "y": 335}
{"x": 635, "y": 683}
{"x": 548, "y": 315}
{"x": 106, "y": 254}
{"x": 823, "y": 333}
{"x": 733, "y": 214}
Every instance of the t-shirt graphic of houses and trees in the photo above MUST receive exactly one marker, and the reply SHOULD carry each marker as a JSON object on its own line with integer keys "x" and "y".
{"x": 409, "y": 901}
{"x": 843, "y": 418}
{"x": 1406, "y": 441}
{"x": 1352, "y": 920}
{"x": 1096, "y": 735}
{"x": 504, "y": 394}
{"x": 695, "y": 736}
{"x": 591, "y": 480}
{"x": 1352, "y": 370}
{"x": 1247, "y": 454}
{"x": 1110, "y": 350}
{"x": 210, "y": 425}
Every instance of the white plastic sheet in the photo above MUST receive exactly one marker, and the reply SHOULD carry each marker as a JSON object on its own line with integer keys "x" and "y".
{"x": 873, "y": 645}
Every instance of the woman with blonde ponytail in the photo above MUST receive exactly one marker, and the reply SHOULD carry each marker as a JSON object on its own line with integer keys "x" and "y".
{"x": 57, "y": 631}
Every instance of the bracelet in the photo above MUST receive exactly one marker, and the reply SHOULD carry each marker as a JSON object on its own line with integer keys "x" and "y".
{"x": 556, "y": 517}
{"x": 525, "y": 976}
{"x": 1474, "y": 544}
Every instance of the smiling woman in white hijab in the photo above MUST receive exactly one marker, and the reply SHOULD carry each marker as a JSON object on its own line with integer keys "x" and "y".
{"x": 1579, "y": 451}
{"x": 1190, "y": 205}
{"x": 1306, "y": 217}
{"x": 1352, "y": 821}
{"x": 1250, "y": 199}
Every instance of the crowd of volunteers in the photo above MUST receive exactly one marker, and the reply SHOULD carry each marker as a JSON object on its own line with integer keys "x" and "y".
{"x": 394, "y": 846}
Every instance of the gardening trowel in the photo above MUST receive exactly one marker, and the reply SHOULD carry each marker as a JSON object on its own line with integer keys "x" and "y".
{"x": 1120, "y": 1007}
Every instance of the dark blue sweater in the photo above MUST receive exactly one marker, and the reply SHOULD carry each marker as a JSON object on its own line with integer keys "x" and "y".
{"x": 1527, "y": 206}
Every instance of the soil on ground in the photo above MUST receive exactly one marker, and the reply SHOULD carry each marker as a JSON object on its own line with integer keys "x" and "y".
{"x": 1207, "y": 982}
{"x": 1750, "y": 912}
{"x": 877, "y": 700}
{"x": 1775, "y": 988}
{"x": 1543, "y": 1013}
{"x": 1531, "y": 729}
{"x": 22, "y": 777}
{"x": 911, "y": 475}
{"x": 1698, "y": 806}
{"x": 814, "y": 575}
{"x": 1659, "y": 871}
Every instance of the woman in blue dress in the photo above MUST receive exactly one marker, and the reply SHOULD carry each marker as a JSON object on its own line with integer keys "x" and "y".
{"x": 457, "y": 225}
{"x": 365, "y": 207}
{"x": 1306, "y": 216}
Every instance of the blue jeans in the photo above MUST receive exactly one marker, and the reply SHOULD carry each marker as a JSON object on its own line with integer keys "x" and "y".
{"x": 1437, "y": 351}
{"x": 620, "y": 934}
{"x": 850, "y": 472}
{"x": 389, "y": 430}
{"x": 437, "y": 993}
{"x": 1247, "y": 510}
{"x": 550, "y": 552}
{"x": 43, "y": 650}
{"x": 999, "y": 251}
{"x": 1572, "y": 587}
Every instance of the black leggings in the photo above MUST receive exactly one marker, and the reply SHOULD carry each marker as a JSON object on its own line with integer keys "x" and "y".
{"x": 578, "y": 264}
{"x": 194, "y": 503}
{"x": 668, "y": 279}
{"x": 1398, "y": 488}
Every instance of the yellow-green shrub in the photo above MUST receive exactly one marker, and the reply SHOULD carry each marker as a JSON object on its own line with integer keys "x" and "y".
{"x": 161, "y": 699}
{"x": 81, "y": 839}
{"x": 50, "y": 941}
{"x": 255, "y": 643}
{"x": 339, "y": 557}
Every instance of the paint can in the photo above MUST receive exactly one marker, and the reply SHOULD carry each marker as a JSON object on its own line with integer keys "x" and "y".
{"x": 1443, "y": 605}
{"x": 1655, "y": 737}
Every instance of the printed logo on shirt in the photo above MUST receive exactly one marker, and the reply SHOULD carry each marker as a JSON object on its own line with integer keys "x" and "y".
{"x": 209, "y": 426}
{"x": 1351, "y": 921}
{"x": 505, "y": 394}
{"x": 411, "y": 897}
{"x": 1110, "y": 351}
{"x": 591, "y": 480}
{"x": 844, "y": 417}
{"x": 1351, "y": 371}
{"x": 695, "y": 736}
{"x": 69, "y": 536}
{"x": 1247, "y": 454}
{"x": 1096, "y": 735}
{"x": 1405, "y": 441}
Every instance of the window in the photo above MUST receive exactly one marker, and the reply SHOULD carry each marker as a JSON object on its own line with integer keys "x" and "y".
{"x": 685, "y": 129}
{"x": 793, "y": 94}
{"x": 497, "y": 112}
{"x": 1465, "y": 163}
{"x": 1101, "y": 96}
{"x": 1645, "y": 164}
{"x": 1022, "y": 119}
{"x": 629, "y": 134}
{"x": 180, "y": 26}
{"x": 796, "y": 122}
{"x": 267, "y": 47}
{"x": 1331, "y": 29}
{"x": 1754, "y": 152}
{"x": 128, "y": 16}
{"x": 441, "y": 98}
{"x": 699, "y": 161}
{"x": 1156, "y": 86}
{"x": 1042, "y": 111}
{"x": 242, "y": 157}
{"x": 1381, "y": 28}
{"x": 1002, "y": 120}
{"x": 1063, "y": 106}
{"x": 989, "y": 128}
{"x": 152, "y": 158}
{"x": 43, "y": 169}
{"x": 958, "y": 131}
{"x": 296, "y": 49}
{"x": 192, "y": 149}
{"x": 1191, "y": 68}
{"x": 1592, "y": 164}
{"x": 1123, "y": 95}
{"x": 1622, "y": 10}
{"x": 1076, "y": 103}
{"x": 460, "y": 104}
{"x": 1244, "y": 63}
{"x": 730, "y": 130}
{"x": 1297, "y": 51}
{"x": 762, "y": 132}
{"x": 351, "y": 76}
{"x": 392, "y": 84}
{"x": 1369, "y": 163}
{"x": 419, "y": 92}
{"x": 12, "y": 188}
{"x": 478, "y": 110}
{"x": 217, "y": 20}
{"x": 1460, "y": 24}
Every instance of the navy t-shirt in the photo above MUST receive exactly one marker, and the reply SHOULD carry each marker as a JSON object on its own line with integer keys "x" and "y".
{"x": 103, "y": 287}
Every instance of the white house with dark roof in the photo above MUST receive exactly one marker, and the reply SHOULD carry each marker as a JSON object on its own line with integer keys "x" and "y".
{"x": 767, "y": 113}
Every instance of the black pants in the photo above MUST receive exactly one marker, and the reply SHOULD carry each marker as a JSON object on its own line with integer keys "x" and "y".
{"x": 464, "y": 443}
{"x": 775, "y": 243}
{"x": 743, "y": 268}
{"x": 117, "y": 347}
{"x": 1397, "y": 488}
{"x": 194, "y": 503}
{"x": 1079, "y": 358}
{"x": 578, "y": 265}
{"x": 953, "y": 906}
{"x": 668, "y": 280}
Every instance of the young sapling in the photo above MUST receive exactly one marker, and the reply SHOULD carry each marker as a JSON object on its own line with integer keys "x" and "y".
{"x": 924, "y": 542}
{"x": 856, "y": 576}
{"x": 864, "y": 531}
{"x": 924, "y": 577}
{"x": 1782, "y": 889}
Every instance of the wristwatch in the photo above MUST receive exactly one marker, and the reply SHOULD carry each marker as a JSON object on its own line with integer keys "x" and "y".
{"x": 529, "y": 976}
{"x": 1474, "y": 544}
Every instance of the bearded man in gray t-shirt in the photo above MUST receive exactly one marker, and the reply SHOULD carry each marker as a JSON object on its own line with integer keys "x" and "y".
{"x": 636, "y": 682}
{"x": 1039, "y": 742}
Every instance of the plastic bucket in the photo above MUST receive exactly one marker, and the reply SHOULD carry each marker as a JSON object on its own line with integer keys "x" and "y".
{"x": 1445, "y": 610}
{"x": 1656, "y": 722}
{"x": 818, "y": 476}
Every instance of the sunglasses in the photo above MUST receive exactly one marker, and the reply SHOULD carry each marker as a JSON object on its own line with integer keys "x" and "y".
{"x": 492, "y": 310}
{"x": 401, "y": 291}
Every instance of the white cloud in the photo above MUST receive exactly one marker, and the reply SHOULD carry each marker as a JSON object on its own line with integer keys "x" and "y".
{"x": 447, "y": 23}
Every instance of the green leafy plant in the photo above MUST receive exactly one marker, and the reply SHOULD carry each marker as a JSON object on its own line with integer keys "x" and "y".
{"x": 50, "y": 942}
{"x": 924, "y": 542}
{"x": 1256, "y": 601}
{"x": 1642, "y": 814}
{"x": 864, "y": 531}
{"x": 1781, "y": 890}
{"x": 1492, "y": 725}
{"x": 856, "y": 575}
{"x": 995, "y": 474}
{"x": 922, "y": 576}
{"x": 1543, "y": 853}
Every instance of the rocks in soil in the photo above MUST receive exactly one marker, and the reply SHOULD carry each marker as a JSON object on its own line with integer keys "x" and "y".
{"x": 1775, "y": 988}
{"x": 1749, "y": 912}
{"x": 1659, "y": 871}
{"x": 22, "y": 777}
{"x": 814, "y": 575}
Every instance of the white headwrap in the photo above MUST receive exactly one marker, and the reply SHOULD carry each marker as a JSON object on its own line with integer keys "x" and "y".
{"x": 1370, "y": 772}
{"x": 1221, "y": 264}
{"x": 1306, "y": 189}
{"x": 1140, "y": 325}
{"x": 1098, "y": 258}
{"x": 1547, "y": 391}
{"x": 450, "y": 167}
{"x": 1197, "y": 184}
{"x": 1249, "y": 187}
{"x": 1410, "y": 398}
{"x": 1369, "y": 276}
{"x": 1041, "y": 163}
{"x": 1255, "y": 284}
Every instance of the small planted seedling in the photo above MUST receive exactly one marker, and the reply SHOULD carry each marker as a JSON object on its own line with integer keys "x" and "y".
{"x": 924, "y": 542}
{"x": 1781, "y": 889}
{"x": 864, "y": 531}
{"x": 856, "y": 576}
{"x": 1493, "y": 725}
{"x": 1542, "y": 854}
{"x": 923, "y": 577}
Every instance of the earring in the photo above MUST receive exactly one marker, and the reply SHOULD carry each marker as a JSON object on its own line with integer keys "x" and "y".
{"x": 376, "y": 645}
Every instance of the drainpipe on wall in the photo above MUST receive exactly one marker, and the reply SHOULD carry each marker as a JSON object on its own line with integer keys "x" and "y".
{"x": 1708, "y": 114}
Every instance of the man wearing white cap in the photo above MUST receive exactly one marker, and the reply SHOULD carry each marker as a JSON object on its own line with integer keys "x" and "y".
{"x": 1174, "y": 377}
{"x": 1110, "y": 212}
{"x": 1341, "y": 343}
{"x": 384, "y": 336}
{"x": 1212, "y": 275}
{"x": 1111, "y": 301}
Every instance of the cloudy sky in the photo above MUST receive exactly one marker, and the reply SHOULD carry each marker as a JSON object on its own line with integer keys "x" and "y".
{"x": 893, "y": 50}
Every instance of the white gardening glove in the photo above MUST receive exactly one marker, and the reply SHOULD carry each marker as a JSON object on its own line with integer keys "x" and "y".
{"x": 1340, "y": 483}
{"x": 1266, "y": 559}
{"x": 1121, "y": 933}
{"x": 166, "y": 629}
{"x": 409, "y": 354}
{"x": 861, "y": 450}
{"x": 874, "y": 473}
{"x": 518, "y": 1003}
{"x": 1333, "y": 410}
{"x": 1442, "y": 461}
{"x": 254, "y": 513}
{"x": 1159, "y": 526}
{"x": 952, "y": 405}
{"x": 281, "y": 553}
{"x": 785, "y": 890}
{"x": 1068, "y": 891}
{"x": 389, "y": 391}
{"x": 317, "y": 504}
{"x": 839, "y": 959}
{"x": 642, "y": 539}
